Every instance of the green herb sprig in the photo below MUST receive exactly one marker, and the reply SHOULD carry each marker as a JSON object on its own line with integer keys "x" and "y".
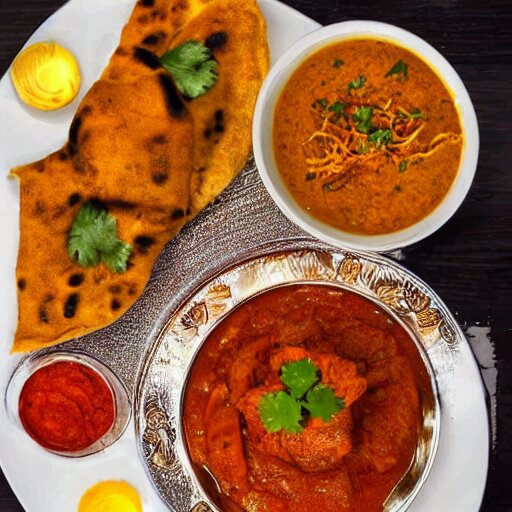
{"x": 191, "y": 65}
{"x": 400, "y": 68}
{"x": 305, "y": 394}
{"x": 357, "y": 83}
{"x": 93, "y": 239}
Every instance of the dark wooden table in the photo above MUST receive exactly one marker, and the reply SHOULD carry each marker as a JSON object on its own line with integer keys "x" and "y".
{"x": 469, "y": 261}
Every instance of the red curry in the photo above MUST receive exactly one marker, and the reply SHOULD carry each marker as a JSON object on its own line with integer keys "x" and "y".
{"x": 66, "y": 406}
{"x": 349, "y": 463}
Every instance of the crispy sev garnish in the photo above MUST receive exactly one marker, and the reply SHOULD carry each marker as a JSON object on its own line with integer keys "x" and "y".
{"x": 360, "y": 133}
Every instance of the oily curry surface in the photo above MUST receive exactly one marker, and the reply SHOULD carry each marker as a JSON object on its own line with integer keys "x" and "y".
{"x": 350, "y": 462}
{"x": 367, "y": 137}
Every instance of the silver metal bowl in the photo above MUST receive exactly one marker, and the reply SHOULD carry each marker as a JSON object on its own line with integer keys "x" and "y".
{"x": 160, "y": 389}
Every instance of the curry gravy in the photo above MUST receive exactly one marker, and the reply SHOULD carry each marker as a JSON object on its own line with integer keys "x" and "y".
{"x": 259, "y": 471}
{"x": 367, "y": 137}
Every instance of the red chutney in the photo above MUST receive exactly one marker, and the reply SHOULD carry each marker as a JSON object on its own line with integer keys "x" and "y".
{"x": 66, "y": 406}
{"x": 349, "y": 464}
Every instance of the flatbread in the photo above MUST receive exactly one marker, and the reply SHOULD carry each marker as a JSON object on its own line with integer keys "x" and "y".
{"x": 136, "y": 148}
{"x": 235, "y": 32}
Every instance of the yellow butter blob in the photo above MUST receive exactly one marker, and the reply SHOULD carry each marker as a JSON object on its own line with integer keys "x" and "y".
{"x": 46, "y": 76}
{"x": 111, "y": 496}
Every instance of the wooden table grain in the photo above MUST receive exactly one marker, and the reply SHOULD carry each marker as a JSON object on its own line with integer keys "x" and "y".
{"x": 469, "y": 260}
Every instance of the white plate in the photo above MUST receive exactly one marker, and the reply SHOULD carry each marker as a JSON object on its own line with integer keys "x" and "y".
{"x": 48, "y": 483}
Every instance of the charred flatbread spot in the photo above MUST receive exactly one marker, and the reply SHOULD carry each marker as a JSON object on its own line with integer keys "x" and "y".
{"x": 22, "y": 283}
{"x": 121, "y": 205}
{"x": 179, "y": 6}
{"x": 71, "y": 305}
{"x": 115, "y": 289}
{"x": 219, "y": 116}
{"x": 39, "y": 166}
{"x": 147, "y": 58}
{"x": 154, "y": 38}
{"x": 159, "y": 177}
{"x": 115, "y": 305}
{"x": 59, "y": 211}
{"x": 175, "y": 106}
{"x": 219, "y": 128}
{"x": 63, "y": 156}
{"x": 76, "y": 280}
{"x": 43, "y": 314}
{"x": 207, "y": 133}
{"x": 123, "y": 52}
{"x": 98, "y": 204}
{"x": 143, "y": 20}
{"x": 178, "y": 214}
{"x": 216, "y": 40}
{"x": 86, "y": 110}
{"x": 188, "y": 211}
{"x": 159, "y": 139}
{"x": 147, "y": 3}
{"x": 80, "y": 163}
{"x": 132, "y": 290}
{"x": 74, "y": 129}
{"x": 40, "y": 208}
{"x": 144, "y": 242}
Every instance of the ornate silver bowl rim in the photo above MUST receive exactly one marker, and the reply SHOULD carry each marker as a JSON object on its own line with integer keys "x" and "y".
{"x": 159, "y": 392}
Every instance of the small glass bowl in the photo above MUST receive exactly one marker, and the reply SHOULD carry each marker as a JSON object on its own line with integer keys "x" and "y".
{"x": 122, "y": 405}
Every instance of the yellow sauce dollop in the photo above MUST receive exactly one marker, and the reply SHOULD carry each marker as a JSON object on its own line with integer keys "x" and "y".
{"x": 46, "y": 76}
{"x": 111, "y": 496}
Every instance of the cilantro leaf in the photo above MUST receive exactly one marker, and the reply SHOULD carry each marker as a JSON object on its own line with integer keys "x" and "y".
{"x": 299, "y": 376}
{"x": 338, "y": 63}
{"x": 191, "y": 66}
{"x": 416, "y": 114}
{"x": 357, "y": 83}
{"x": 399, "y": 68}
{"x": 402, "y": 166}
{"x": 363, "y": 119}
{"x": 363, "y": 147}
{"x": 337, "y": 107}
{"x": 322, "y": 102}
{"x": 322, "y": 403}
{"x": 280, "y": 411}
{"x": 93, "y": 238}
{"x": 380, "y": 137}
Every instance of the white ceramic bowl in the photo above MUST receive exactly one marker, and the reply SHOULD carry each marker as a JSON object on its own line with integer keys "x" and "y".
{"x": 264, "y": 120}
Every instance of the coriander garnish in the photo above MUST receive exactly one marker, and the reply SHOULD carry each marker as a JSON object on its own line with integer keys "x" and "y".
{"x": 363, "y": 119}
{"x": 357, "y": 83}
{"x": 287, "y": 410}
{"x": 380, "y": 137}
{"x": 400, "y": 68}
{"x": 192, "y": 67}
{"x": 93, "y": 238}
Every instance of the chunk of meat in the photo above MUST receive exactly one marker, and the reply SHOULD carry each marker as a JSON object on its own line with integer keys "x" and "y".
{"x": 367, "y": 343}
{"x": 286, "y": 355}
{"x": 224, "y": 442}
{"x": 341, "y": 375}
{"x": 392, "y": 406}
{"x": 242, "y": 373}
{"x": 298, "y": 490}
{"x": 321, "y": 445}
{"x": 258, "y": 435}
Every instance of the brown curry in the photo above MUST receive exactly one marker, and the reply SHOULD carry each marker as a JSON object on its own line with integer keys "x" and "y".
{"x": 367, "y": 138}
{"x": 350, "y": 462}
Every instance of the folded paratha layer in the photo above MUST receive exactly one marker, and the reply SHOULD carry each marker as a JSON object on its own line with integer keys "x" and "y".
{"x": 137, "y": 149}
